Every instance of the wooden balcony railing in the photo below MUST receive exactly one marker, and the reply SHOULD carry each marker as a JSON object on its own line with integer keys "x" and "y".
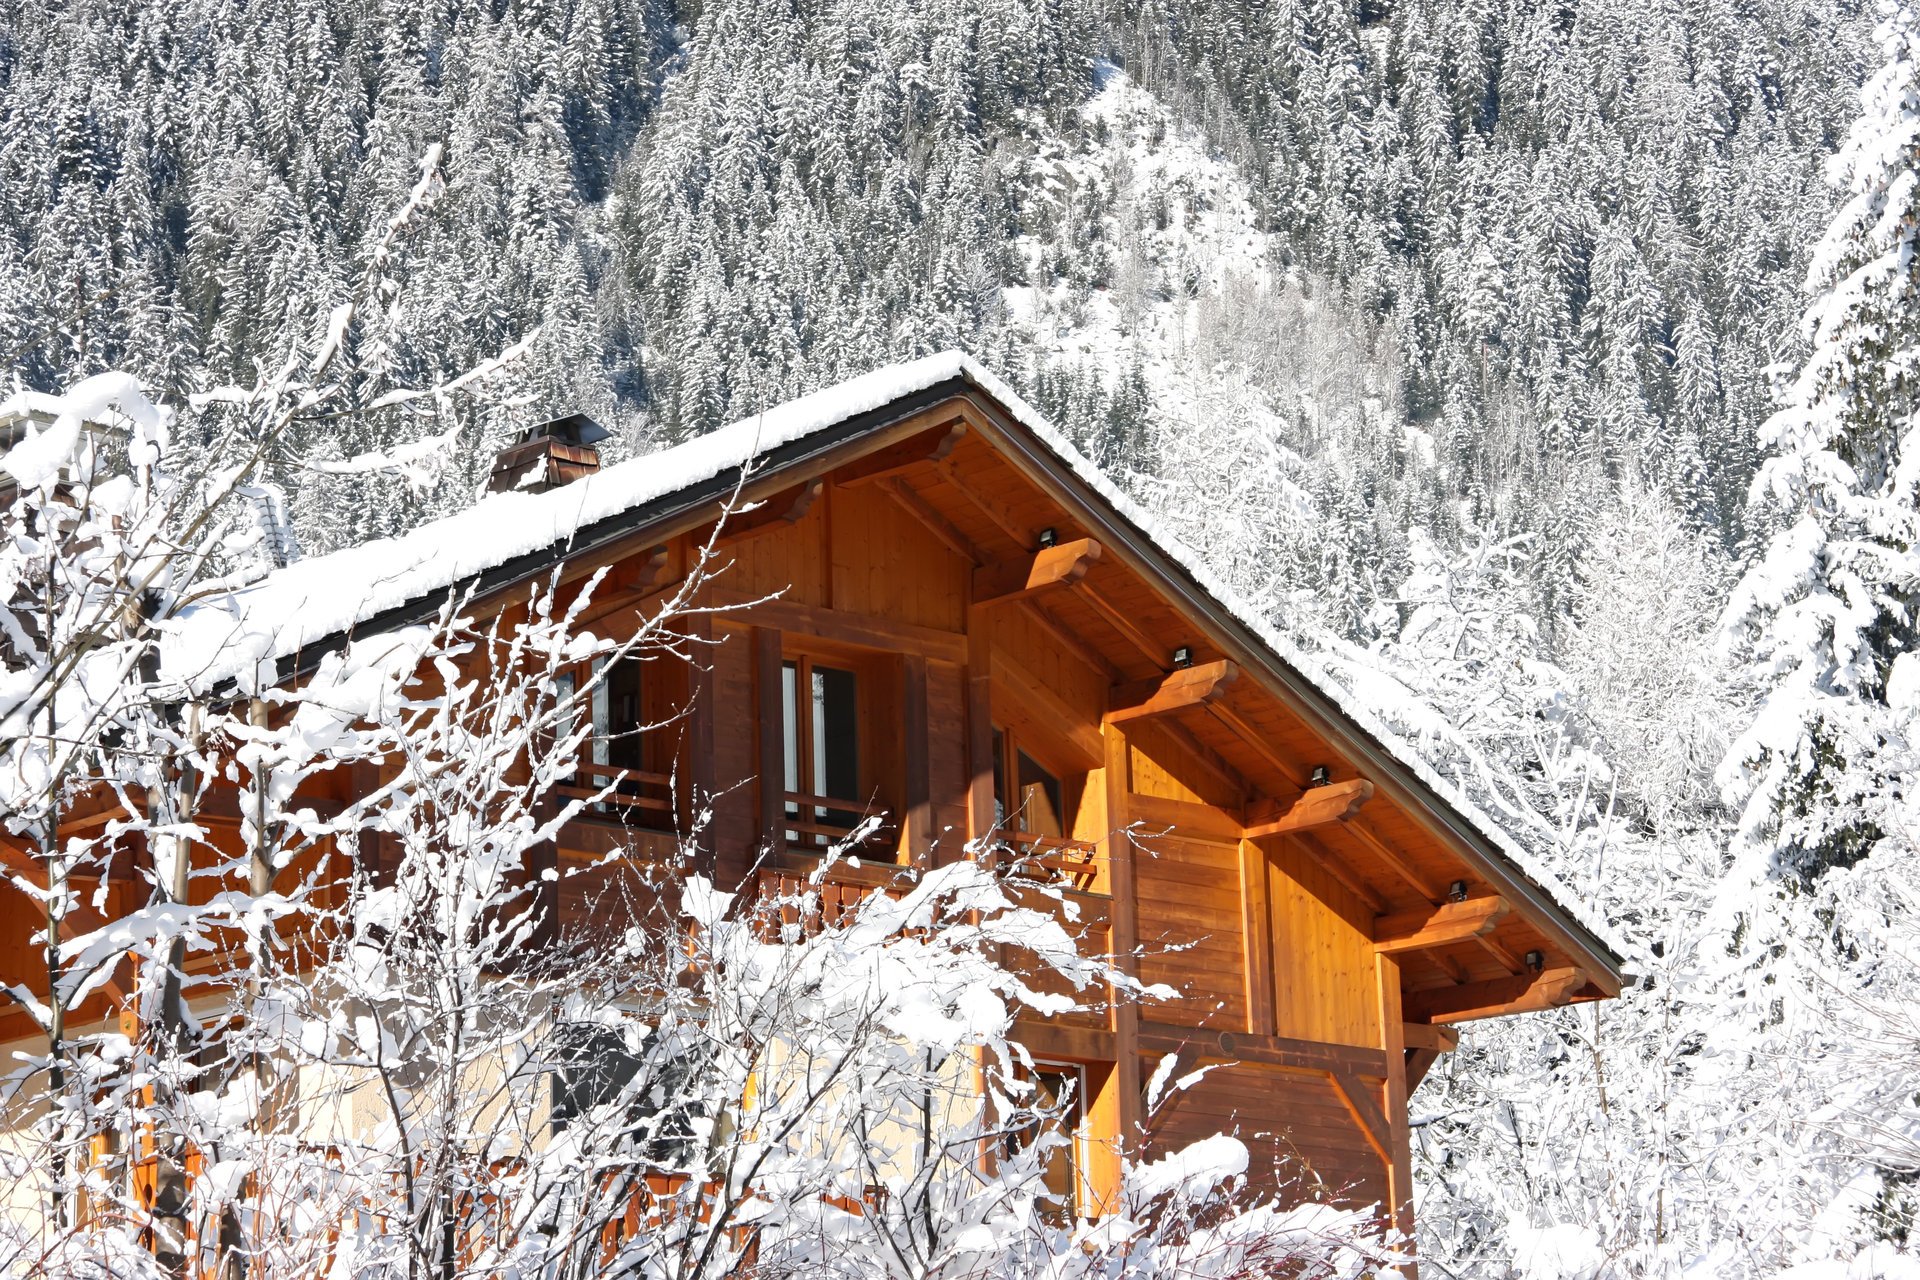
{"x": 638, "y": 798}
{"x": 1054, "y": 859}
{"x": 813, "y": 823}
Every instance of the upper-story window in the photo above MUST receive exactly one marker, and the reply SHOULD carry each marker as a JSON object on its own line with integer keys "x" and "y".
{"x": 823, "y": 705}
{"x": 618, "y": 752}
{"x": 1036, "y": 801}
{"x": 1027, "y": 796}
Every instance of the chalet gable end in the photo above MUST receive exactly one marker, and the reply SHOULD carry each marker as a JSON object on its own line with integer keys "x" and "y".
{"x": 930, "y": 611}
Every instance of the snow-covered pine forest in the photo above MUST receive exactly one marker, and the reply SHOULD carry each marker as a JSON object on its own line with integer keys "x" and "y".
{"x": 1544, "y": 369}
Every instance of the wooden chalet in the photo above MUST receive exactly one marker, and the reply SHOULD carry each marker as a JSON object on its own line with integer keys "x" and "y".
{"x": 975, "y": 633}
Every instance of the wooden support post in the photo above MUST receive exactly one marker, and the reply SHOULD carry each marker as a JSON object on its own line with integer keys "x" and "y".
{"x": 1184, "y": 689}
{"x": 1050, "y": 567}
{"x": 1524, "y": 994}
{"x": 1116, "y": 772}
{"x": 701, "y": 713}
{"x": 1394, "y": 1103}
{"x": 980, "y": 762}
{"x": 770, "y": 712}
{"x": 1335, "y": 802}
{"x": 1438, "y": 926}
{"x": 1257, "y": 926}
{"x": 917, "y": 820}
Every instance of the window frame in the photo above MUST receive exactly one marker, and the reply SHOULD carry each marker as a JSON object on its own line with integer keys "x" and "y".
{"x": 643, "y": 797}
{"x": 876, "y": 705}
{"x": 1063, "y": 1210}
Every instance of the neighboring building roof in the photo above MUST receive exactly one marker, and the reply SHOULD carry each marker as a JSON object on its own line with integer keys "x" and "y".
{"x": 251, "y": 637}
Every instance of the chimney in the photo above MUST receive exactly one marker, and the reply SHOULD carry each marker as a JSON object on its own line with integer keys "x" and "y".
{"x": 549, "y": 455}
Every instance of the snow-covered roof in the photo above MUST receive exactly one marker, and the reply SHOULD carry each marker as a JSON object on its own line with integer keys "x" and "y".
{"x": 238, "y": 639}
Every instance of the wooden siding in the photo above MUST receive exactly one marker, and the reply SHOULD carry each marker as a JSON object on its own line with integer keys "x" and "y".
{"x": 1268, "y": 942}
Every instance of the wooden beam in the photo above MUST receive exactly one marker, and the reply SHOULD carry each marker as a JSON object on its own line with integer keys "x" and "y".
{"x": 1072, "y": 645}
{"x": 1184, "y": 689}
{"x": 788, "y": 506}
{"x": 1419, "y": 1062}
{"x": 885, "y": 464}
{"x": 1495, "y": 997}
{"x": 1273, "y": 1051}
{"x": 1059, "y": 566}
{"x": 1335, "y": 802}
{"x": 1425, "y": 1035}
{"x": 1020, "y": 535}
{"x": 1151, "y": 649}
{"x": 649, "y": 571}
{"x": 1448, "y": 923}
{"x": 858, "y": 629}
{"x": 1224, "y": 712}
{"x": 1508, "y": 961}
{"x": 1183, "y": 818}
{"x": 1337, "y": 867}
{"x": 1395, "y": 862}
{"x": 1029, "y": 692}
{"x": 909, "y": 500}
{"x": 1367, "y": 1116}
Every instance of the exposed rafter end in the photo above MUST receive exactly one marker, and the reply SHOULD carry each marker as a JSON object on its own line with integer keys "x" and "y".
{"x": 1050, "y": 567}
{"x": 788, "y": 506}
{"x": 1523, "y": 994}
{"x": 1335, "y": 802}
{"x": 649, "y": 571}
{"x": 1439, "y": 926}
{"x": 927, "y": 448}
{"x": 1191, "y": 687}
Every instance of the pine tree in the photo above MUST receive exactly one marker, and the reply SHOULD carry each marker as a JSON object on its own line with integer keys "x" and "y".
{"x": 1826, "y": 616}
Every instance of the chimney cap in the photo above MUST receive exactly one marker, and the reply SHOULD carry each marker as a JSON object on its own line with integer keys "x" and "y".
{"x": 574, "y": 428}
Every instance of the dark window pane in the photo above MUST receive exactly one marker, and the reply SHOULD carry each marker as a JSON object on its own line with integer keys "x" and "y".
{"x": 1040, "y": 810}
{"x": 598, "y": 1070}
{"x": 623, "y": 721}
{"x": 836, "y": 751}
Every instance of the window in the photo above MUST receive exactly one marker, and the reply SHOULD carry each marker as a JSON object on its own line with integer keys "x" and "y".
{"x": 1035, "y": 804}
{"x": 598, "y": 1069}
{"x": 1060, "y": 1095}
{"x": 617, "y": 712}
{"x": 1038, "y": 798}
{"x": 820, "y": 706}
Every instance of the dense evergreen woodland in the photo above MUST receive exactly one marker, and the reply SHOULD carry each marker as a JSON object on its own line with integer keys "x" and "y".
{"x": 1547, "y": 366}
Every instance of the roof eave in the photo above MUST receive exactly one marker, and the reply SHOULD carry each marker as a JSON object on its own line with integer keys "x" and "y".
{"x": 1604, "y": 967}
